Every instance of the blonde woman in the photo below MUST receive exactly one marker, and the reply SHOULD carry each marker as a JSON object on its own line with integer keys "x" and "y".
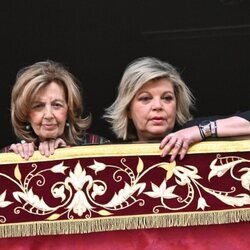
{"x": 154, "y": 103}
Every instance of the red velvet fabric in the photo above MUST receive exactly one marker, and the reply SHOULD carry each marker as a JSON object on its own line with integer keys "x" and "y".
{"x": 213, "y": 237}
{"x": 28, "y": 184}
{"x": 38, "y": 179}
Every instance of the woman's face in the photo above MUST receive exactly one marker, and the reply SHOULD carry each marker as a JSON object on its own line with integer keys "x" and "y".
{"x": 48, "y": 112}
{"x": 153, "y": 110}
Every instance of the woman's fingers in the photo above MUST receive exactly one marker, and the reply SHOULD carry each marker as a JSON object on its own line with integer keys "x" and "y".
{"x": 184, "y": 149}
{"x": 176, "y": 149}
{"x": 167, "y": 144}
{"x": 41, "y": 148}
{"x": 13, "y": 148}
{"x": 25, "y": 150}
{"x": 165, "y": 140}
{"x": 48, "y": 147}
{"x": 60, "y": 143}
{"x": 175, "y": 144}
{"x": 29, "y": 149}
{"x": 179, "y": 147}
{"x": 51, "y": 147}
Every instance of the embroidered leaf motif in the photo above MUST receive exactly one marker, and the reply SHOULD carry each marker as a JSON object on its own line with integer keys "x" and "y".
{"x": 192, "y": 172}
{"x": 17, "y": 173}
{"x": 104, "y": 212}
{"x": 162, "y": 191}
{"x": 59, "y": 168}
{"x": 140, "y": 166}
{"x": 78, "y": 178}
{"x": 97, "y": 190}
{"x": 17, "y": 195}
{"x": 97, "y": 166}
{"x": 238, "y": 201}
{"x": 170, "y": 167}
{"x": 59, "y": 193}
{"x": 4, "y": 203}
{"x": 245, "y": 178}
{"x": 32, "y": 199}
{"x": 53, "y": 217}
{"x": 125, "y": 193}
{"x": 224, "y": 164}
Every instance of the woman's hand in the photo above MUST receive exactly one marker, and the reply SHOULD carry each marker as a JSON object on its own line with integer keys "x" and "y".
{"x": 48, "y": 147}
{"x": 24, "y": 149}
{"x": 179, "y": 142}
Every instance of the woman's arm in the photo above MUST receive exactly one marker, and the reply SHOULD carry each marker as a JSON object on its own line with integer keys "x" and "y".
{"x": 180, "y": 141}
{"x": 233, "y": 126}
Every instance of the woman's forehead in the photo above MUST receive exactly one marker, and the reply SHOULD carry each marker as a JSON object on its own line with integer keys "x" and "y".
{"x": 162, "y": 83}
{"x": 52, "y": 90}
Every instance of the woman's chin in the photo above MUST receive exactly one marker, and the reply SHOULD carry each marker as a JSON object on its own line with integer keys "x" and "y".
{"x": 49, "y": 137}
{"x": 155, "y": 137}
{"x": 158, "y": 135}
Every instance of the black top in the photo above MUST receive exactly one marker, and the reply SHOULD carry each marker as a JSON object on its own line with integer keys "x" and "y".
{"x": 196, "y": 121}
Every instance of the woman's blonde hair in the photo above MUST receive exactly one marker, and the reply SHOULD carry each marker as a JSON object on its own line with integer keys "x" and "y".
{"x": 138, "y": 73}
{"x": 29, "y": 81}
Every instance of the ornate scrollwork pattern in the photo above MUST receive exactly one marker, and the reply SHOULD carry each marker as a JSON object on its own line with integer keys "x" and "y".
{"x": 101, "y": 190}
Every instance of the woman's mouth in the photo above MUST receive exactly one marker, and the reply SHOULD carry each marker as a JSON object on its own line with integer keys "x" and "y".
{"x": 157, "y": 120}
{"x": 49, "y": 126}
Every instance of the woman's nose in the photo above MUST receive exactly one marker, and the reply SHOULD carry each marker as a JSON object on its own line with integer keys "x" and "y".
{"x": 157, "y": 104}
{"x": 48, "y": 112}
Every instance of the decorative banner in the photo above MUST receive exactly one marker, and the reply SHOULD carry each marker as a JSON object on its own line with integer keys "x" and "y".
{"x": 126, "y": 186}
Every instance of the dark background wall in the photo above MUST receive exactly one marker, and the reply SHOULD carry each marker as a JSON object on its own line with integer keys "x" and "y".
{"x": 208, "y": 41}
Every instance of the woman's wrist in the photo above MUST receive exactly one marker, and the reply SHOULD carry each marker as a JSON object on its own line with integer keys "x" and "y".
{"x": 208, "y": 129}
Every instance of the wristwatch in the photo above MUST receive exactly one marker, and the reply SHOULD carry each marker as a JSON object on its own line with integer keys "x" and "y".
{"x": 205, "y": 129}
{"x": 208, "y": 129}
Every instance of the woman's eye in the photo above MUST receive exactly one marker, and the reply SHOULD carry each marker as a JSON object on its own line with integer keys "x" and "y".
{"x": 57, "y": 105}
{"x": 37, "y": 106}
{"x": 144, "y": 98}
{"x": 168, "y": 98}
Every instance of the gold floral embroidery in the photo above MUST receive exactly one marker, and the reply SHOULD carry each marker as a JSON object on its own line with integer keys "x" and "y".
{"x": 77, "y": 193}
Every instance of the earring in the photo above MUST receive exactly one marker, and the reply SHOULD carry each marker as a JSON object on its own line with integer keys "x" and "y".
{"x": 27, "y": 127}
{"x": 67, "y": 124}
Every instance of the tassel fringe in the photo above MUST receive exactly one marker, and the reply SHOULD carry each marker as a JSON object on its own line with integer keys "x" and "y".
{"x": 124, "y": 223}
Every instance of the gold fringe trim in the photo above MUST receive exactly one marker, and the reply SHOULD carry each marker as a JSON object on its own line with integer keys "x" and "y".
{"x": 124, "y": 223}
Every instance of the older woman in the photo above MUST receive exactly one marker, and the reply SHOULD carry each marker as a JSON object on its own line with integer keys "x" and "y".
{"x": 154, "y": 103}
{"x": 46, "y": 108}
